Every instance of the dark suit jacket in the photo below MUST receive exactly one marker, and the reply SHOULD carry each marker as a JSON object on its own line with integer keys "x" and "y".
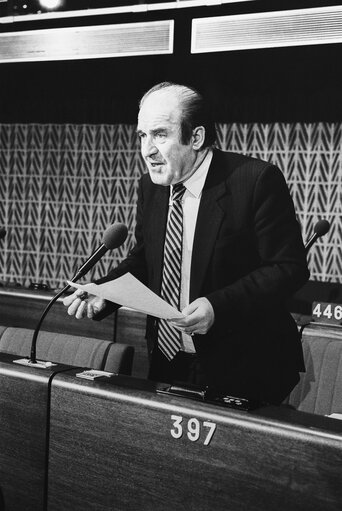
{"x": 248, "y": 259}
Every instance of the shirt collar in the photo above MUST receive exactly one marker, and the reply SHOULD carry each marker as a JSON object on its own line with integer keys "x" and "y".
{"x": 195, "y": 183}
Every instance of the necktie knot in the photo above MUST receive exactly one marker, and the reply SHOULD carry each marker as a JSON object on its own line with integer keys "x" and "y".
{"x": 178, "y": 191}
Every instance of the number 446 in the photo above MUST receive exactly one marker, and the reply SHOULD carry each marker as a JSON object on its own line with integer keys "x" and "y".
{"x": 328, "y": 311}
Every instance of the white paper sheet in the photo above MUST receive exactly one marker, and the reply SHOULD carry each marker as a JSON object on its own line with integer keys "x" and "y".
{"x": 130, "y": 292}
{"x": 335, "y": 416}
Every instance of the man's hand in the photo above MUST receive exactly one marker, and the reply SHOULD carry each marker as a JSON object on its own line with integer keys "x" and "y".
{"x": 81, "y": 304}
{"x": 199, "y": 317}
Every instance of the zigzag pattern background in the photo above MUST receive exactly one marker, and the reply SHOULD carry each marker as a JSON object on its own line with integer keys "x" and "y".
{"x": 61, "y": 186}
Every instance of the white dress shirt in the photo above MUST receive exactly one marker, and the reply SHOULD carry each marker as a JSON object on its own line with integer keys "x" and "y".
{"x": 191, "y": 201}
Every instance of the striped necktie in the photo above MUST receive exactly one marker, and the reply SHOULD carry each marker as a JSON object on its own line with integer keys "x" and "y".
{"x": 169, "y": 339}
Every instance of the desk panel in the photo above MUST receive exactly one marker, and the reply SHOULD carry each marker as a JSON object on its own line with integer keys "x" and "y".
{"x": 120, "y": 445}
{"x": 24, "y": 397}
{"x": 23, "y": 308}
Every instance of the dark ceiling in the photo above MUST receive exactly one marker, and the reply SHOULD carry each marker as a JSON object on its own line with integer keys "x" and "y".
{"x": 285, "y": 84}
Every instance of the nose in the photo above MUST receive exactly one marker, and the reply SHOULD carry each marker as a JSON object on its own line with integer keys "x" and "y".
{"x": 148, "y": 148}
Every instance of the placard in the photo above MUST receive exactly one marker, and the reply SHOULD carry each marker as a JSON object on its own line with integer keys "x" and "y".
{"x": 324, "y": 312}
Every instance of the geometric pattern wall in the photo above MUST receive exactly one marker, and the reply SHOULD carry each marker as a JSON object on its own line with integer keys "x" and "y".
{"x": 62, "y": 185}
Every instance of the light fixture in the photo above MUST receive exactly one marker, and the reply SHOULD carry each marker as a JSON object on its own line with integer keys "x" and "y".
{"x": 51, "y": 5}
{"x": 100, "y": 41}
{"x": 297, "y": 27}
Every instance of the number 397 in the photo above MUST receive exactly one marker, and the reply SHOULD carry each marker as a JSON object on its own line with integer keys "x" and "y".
{"x": 193, "y": 429}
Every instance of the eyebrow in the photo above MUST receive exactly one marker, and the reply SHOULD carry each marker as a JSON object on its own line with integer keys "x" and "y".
{"x": 154, "y": 131}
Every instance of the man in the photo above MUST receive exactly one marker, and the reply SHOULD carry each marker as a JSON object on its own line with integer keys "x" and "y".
{"x": 242, "y": 256}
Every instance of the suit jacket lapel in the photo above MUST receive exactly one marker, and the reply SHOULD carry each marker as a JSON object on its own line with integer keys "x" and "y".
{"x": 211, "y": 213}
{"x": 210, "y": 216}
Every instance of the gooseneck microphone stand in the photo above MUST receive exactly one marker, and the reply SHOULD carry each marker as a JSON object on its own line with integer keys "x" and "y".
{"x": 114, "y": 236}
{"x": 33, "y": 359}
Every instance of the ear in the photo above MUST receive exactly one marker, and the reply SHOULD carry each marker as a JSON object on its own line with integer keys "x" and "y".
{"x": 198, "y": 136}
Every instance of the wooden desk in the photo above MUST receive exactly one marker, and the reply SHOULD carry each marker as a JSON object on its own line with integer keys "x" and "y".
{"x": 119, "y": 445}
{"x": 24, "y": 414}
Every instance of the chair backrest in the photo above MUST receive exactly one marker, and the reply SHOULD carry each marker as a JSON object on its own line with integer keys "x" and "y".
{"x": 119, "y": 359}
{"x": 69, "y": 349}
{"x": 320, "y": 388}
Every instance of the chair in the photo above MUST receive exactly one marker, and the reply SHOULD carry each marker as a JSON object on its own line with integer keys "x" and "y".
{"x": 69, "y": 349}
{"x": 319, "y": 390}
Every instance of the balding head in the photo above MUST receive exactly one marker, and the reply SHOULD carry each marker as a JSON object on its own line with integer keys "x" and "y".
{"x": 192, "y": 109}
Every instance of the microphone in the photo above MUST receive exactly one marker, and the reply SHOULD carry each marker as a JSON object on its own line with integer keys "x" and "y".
{"x": 320, "y": 229}
{"x": 2, "y": 233}
{"x": 113, "y": 237}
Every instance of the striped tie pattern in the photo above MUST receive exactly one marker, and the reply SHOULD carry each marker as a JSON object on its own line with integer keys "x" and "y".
{"x": 169, "y": 339}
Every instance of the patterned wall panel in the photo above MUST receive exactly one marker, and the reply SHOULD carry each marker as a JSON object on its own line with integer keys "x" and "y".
{"x": 62, "y": 185}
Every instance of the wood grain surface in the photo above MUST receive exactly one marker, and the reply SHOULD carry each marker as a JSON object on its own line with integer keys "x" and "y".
{"x": 24, "y": 395}
{"x": 111, "y": 448}
{"x": 130, "y": 329}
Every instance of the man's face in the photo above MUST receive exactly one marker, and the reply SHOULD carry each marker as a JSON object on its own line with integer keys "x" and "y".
{"x": 159, "y": 128}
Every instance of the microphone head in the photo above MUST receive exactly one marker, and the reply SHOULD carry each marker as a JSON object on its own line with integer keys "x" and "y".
{"x": 321, "y": 227}
{"x": 114, "y": 236}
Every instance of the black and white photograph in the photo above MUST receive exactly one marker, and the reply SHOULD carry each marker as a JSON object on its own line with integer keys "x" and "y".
{"x": 170, "y": 255}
